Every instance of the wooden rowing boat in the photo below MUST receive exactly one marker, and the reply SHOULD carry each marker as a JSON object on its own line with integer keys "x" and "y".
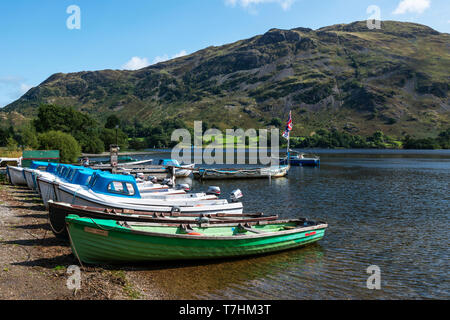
{"x": 58, "y": 211}
{"x": 251, "y": 173}
{"x": 107, "y": 241}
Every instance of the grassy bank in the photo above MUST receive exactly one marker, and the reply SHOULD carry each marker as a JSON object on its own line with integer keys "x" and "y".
{"x": 5, "y": 153}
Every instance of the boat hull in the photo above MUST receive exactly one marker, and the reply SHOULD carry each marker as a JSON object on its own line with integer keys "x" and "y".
{"x": 17, "y": 176}
{"x": 183, "y": 173}
{"x": 59, "y": 211}
{"x": 29, "y": 178}
{"x": 77, "y": 199}
{"x": 105, "y": 242}
{"x": 48, "y": 191}
{"x": 303, "y": 162}
{"x": 259, "y": 173}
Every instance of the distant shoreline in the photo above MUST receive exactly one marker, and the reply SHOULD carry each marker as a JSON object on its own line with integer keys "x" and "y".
{"x": 126, "y": 153}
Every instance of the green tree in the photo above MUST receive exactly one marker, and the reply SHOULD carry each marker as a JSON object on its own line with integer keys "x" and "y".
{"x": 29, "y": 137}
{"x": 65, "y": 119}
{"x": 94, "y": 145}
{"x": 108, "y": 136}
{"x": 137, "y": 144}
{"x": 276, "y": 122}
{"x": 4, "y": 135}
{"x": 112, "y": 121}
{"x": 378, "y": 139}
{"x": 11, "y": 144}
{"x": 68, "y": 147}
{"x": 444, "y": 139}
{"x": 81, "y": 126}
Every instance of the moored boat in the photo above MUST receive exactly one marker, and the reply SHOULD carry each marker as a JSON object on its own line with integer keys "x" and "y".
{"x": 4, "y": 162}
{"x": 181, "y": 171}
{"x": 250, "y": 173}
{"x": 30, "y": 173}
{"x": 106, "y": 190}
{"x": 48, "y": 182}
{"x": 16, "y": 176}
{"x": 96, "y": 241}
{"x": 59, "y": 210}
{"x": 301, "y": 160}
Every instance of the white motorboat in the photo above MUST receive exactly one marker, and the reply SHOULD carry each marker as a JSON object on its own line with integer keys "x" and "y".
{"x": 120, "y": 191}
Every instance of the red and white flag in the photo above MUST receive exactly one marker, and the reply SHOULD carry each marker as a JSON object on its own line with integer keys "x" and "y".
{"x": 288, "y": 127}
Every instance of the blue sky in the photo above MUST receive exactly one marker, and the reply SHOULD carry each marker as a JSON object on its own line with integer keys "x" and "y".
{"x": 113, "y": 34}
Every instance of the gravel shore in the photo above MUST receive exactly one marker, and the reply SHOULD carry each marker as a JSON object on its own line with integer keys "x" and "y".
{"x": 34, "y": 263}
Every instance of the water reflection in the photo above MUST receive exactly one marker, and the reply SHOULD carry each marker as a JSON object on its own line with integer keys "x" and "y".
{"x": 385, "y": 208}
{"x": 252, "y": 278}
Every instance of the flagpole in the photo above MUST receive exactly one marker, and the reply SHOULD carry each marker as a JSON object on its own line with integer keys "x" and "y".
{"x": 288, "y": 153}
{"x": 287, "y": 135}
{"x": 289, "y": 143}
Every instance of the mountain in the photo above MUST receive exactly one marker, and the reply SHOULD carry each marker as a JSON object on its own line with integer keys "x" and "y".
{"x": 343, "y": 76}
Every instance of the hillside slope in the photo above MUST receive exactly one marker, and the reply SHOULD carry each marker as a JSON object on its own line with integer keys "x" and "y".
{"x": 344, "y": 76}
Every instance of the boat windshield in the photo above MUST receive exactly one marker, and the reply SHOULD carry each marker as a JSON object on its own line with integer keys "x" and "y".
{"x": 169, "y": 162}
{"x": 123, "y": 188}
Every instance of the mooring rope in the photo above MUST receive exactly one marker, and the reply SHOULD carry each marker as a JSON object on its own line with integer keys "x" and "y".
{"x": 51, "y": 225}
{"x": 100, "y": 227}
{"x": 75, "y": 194}
{"x": 73, "y": 246}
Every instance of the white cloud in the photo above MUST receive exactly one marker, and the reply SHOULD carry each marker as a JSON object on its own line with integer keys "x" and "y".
{"x": 285, "y": 4}
{"x": 413, "y": 6}
{"x": 180, "y": 54}
{"x": 136, "y": 63}
{"x": 12, "y": 88}
{"x": 24, "y": 88}
{"x": 166, "y": 57}
{"x": 159, "y": 59}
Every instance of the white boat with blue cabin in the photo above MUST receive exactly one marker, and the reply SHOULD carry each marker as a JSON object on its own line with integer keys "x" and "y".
{"x": 113, "y": 191}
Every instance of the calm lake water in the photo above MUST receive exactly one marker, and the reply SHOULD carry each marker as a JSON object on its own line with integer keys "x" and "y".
{"x": 385, "y": 208}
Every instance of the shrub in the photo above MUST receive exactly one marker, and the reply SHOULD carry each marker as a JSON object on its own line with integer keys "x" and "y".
{"x": 29, "y": 137}
{"x": 94, "y": 145}
{"x": 68, "y": 147}
{"x": 11, "y": 144}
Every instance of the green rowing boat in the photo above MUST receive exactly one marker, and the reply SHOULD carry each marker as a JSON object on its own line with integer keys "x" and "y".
{"x": 97, "y": 241}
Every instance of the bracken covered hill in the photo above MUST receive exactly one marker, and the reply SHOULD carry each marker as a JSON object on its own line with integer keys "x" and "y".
{"x": 345, "y": 76}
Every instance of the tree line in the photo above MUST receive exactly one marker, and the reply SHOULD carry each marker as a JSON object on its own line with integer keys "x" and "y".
{"x": 73, "y": 132}
{"x": 340, "y": 139}
{"x": 64, "y": 129}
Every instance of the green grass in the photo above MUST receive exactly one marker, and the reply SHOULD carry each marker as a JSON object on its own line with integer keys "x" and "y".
{"x": 127, "y": 287}
{"x": 59, "y": 268}
{"x": 5, "y": 153}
